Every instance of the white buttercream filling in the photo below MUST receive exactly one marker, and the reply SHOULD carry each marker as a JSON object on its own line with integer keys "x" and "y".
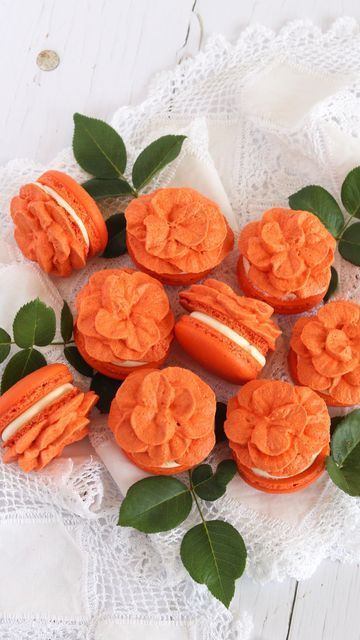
{"x": 65, "y": 205}
{"x": 265, "y": 474}
{"x": 36, "y": 408}
{"x": 231, "y": 334}
{"x": 169, "y": 465}
{"x": 128, "y": 363}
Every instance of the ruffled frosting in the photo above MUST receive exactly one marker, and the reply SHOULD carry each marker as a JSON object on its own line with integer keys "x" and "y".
{"x": 45, "y": 437}
{"x": 277, "y": 427}
{"x": 177, "y": 231}
{"x": 45, "y": 234}
{"x": 328, "y": 350}
{"x": 124, "y": 315}
{"x": 164, "y": 416}
{"x": 237, "y": 311}
{"x": 289, "y": 252}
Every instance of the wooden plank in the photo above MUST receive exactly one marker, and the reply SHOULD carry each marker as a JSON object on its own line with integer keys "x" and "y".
{"x": 327, "y": 605}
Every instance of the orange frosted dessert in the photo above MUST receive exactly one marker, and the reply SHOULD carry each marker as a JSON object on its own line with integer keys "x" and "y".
{"x": 176, "y": 235}
{"x": 164, "y": 420}
{"x": 124, "y": 322}
{"x": 325, "y": 353}
{"x": 279, "y": 435}
{"x": 285, "y": 260}
{"x": 228, "y": 334}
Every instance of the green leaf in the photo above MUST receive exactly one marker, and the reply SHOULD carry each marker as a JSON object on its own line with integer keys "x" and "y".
{"x": 106, "y": 389}
{"x": 220, "y": 417}
{"x": 349, "y": 245}
{"x": 350, "y": 192}
{"x": 98, "y": 148}
{"x": 154, "y": 158}
{"x": 334, "y": 423}
{"x": 99, "y": 188}
{"x": 34, "y": 323}
{"x": 116, "y": 246}
{"x": 320, "y": 202}
{"x": 66, "y": 322}
{"x": 76, "y": 360}
{"x": 209, "y": 486}
{"x": 5, "y": 344}
{"x": 20, "y": 365}
{"x": 214, "y": 554}
{"x": 155, "y": 504}
{"x": 333, "y": 285}
{"x": 343, "y": 465}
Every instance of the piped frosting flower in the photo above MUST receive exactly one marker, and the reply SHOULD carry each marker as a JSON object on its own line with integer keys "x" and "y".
{"x": 162, "y": 417}
{"x": 289, "y": 252}
{"x": 124, "y": 315}
{"x": 45, "y": 233}
{"x": 328, "y": 351}
{"x": 276, "y": 427}
{"x": 177, "y": 230}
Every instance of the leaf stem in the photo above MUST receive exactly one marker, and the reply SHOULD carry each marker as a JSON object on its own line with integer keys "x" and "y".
{"x": 196, "y": 500}
{"x": 350, "y": 219}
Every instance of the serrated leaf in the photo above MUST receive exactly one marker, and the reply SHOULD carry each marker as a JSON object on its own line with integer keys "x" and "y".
{"x": 220, "y": 417}
{"x": 76, "y": 360}
{"x": 350, "y": 192}
{"x": 66, "y": 322}
{"x": 155, "y": 504}
{"x": 333, "y": 285}
{"x": 106, "y": 389}
{"x": 349, "y": 245}
{"x": 343, "y": 465}
{"x": 104, "y": 188}
{"x": 98, "y": 148}
{"x": 214, "y": 554}
{"x": 5, "y": 344}
{"x": 209, "y": 486}
{"x": 20, "y": 365}
{"x": 320, "y": 202}
{"x": 116, "y": 227}
{"x": 154, "y": 158}
{"x": 34, "y": 323}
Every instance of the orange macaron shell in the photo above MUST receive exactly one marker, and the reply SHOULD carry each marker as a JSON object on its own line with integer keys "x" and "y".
{"x": 43, "y": 436}
{"x": 279, "y": 434}
{"x": 288, "y": 256}
{"x": 124, "y": 316}
{"x": 325, "y": 352}
{"x": 47, "y": 233}
{"x": 177, "y": 235}
{"x": 249, "y": 318}
{"x": 163, "y": 420}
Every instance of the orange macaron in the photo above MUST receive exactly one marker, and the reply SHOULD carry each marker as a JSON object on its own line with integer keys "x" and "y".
{"x": 164, "y": 420}
{"x": 325, "y": 353}
{"x": 285, "y": 260}
{"x": 177, "y": 235}
{"x": 279, "y": 434}
{"x": 41, "y": 414}
{"x": 124, "y": 322}
{"x": 57, "y": 223}
{"x": 228, "y": 334}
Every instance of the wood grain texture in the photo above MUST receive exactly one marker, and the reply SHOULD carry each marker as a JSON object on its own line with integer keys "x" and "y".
{"x": 109, "y": 50}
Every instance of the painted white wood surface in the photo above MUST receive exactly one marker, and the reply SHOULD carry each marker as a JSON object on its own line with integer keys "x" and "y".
{"x": 109, "y": 49}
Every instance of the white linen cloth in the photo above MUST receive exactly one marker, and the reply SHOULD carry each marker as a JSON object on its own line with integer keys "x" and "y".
{"x": 272, "y": 113}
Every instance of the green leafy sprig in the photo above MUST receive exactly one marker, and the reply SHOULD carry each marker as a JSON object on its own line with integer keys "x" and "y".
{"x": 35, "y": 326}
{"x": 343, "y": 464}
{"x": 213, "y": 551}
{"x": 320, "y": 202}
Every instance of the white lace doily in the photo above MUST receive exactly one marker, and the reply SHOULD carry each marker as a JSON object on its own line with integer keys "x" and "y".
{"x": 278, "y": 111}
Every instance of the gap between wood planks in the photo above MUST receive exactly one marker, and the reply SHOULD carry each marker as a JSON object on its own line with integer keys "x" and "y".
{"x": 292, "y": 610}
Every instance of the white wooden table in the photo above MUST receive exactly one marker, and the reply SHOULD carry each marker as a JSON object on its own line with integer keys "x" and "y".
{"x": 108, "y": 51}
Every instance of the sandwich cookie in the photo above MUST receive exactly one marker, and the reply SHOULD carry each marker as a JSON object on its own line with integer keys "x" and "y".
{"x": 229, "y": 335}
{"x": 279, "y": 435}
{"x": 41, "y": 414}
{"x": 57, "y": 223}
{"x": 285, "y": 260}
{"x": 164, "y": 420}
